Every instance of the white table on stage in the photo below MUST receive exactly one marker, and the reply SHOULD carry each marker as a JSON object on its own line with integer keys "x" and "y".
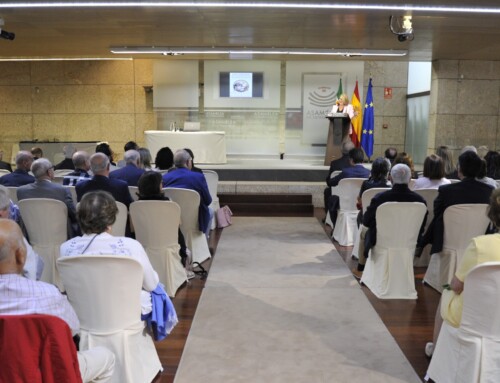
{"x": 207, "y": 147}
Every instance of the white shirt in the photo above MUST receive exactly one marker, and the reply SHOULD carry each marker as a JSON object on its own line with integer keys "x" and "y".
{"x": 427, "y": 183}
{"x": 22, "y": 296}
{"x": 106, "y": 244}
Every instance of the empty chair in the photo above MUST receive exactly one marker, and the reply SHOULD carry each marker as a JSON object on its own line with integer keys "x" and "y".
{"x": 156, "y": 228}
{"x": 46, "y": 222}
{"x": 346, "y": 226}
{"x": 212, "y": 182}
{"x": 389, "y": 268}
{"x": 133, "y": 192}
{"x": 470, "y": 353}
{"x": 189, "y": 201}
{"x": 429, "y": 195}
{"x": 119, "y": 227}
{"x": 105, "y": 292}
{"x": 461, "y": 223}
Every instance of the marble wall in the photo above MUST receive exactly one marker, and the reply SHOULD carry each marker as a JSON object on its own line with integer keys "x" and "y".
{"x": 465, "y": 105}
{"x": 75, "y": 100}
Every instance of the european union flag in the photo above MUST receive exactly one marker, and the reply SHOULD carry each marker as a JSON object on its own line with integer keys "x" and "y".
{"x": 368, "y": 123}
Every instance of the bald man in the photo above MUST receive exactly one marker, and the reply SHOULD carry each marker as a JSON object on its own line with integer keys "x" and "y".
{"x": 22, "y": 296}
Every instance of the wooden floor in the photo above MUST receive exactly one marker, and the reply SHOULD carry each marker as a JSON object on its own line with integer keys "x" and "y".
{"x": 410, "y": 322}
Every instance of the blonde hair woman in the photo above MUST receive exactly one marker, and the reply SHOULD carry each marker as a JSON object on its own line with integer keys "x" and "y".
{"x": 342, "y": 106}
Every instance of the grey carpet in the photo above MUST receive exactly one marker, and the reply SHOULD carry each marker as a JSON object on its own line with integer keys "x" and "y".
{"x": 280, "y": 305}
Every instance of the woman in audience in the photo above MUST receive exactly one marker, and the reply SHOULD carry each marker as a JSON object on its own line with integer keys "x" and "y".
{"x": 433, "y": 174}
{"x": 378, "y": 179}
{"x": 150, "y": 189}
{"x": 493, "y": 164}
{"x": 96, "y": 214}
{"x": 481, "y": 249}
{"x": 482, "y": 177}
{"x": 404, "y": 158}
{"x": 145, "y": 155}
{"x": 447, "y": 157}
{"x": 164, "y": 159}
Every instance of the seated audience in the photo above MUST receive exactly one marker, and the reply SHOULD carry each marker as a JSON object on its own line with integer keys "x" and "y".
{"x": 150, "y": 189}
{"x": 390, "y": 154}
{"x": 4, "y": 165}
{"x": 482, "y": 177}
{"x": 183, "y": 177}
{"x": 104, "y": 148}
{"x": 37, "y": 153}
{"x": 447, "y": 157}
{"x": 22, "y": 296}
{"x": 454, "y": 174}
{"x": 96, "y": 214}
{"x": 132, "y": 171}
{"x": 433, "y": 174}
{"x": 469, "y": 190}
{"x": 482, "y": 151}
{"x": 43, "y": 187}
{"x": 493, "y": 165}
{"x": 67, "y": 163}
{"x": 405, "y": 158}
{"x": 193, "y": 168}
{"x": 131, "y": 145}
{"x": 164, "y": 159}
{"x": 337, "y": 165}
{"x": 20, "y": 176}
{"x": 145, "y": 158}
{"x": 481, "y": 249}
{"x": 400, "y": 176}
{"x": 81, "y": 162}
{"x": 99, "y": 164}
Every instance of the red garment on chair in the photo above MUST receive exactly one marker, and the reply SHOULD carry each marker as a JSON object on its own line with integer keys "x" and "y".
{"x": 37, "y": 348}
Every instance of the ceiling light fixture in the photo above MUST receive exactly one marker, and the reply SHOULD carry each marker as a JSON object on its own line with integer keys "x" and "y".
{"x": 284, "y": 5}
{"x": 174, "y": 51}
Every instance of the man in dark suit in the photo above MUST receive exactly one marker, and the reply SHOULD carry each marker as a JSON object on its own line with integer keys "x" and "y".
{"x": 468, "y": 190}
{"x": 99, "y": 164}
{"x": 131, "y": 172}
{"x": 20, "y": 176}
{"x": 400, "y": 176}
{"x": 183, "y": 177}
{"x": 43, "y": 187}
{"x": 81, "y": 162}
{"x": 4, "y": 165}
{"x": 67, "y": 163}
{"x": 337, "y": 165}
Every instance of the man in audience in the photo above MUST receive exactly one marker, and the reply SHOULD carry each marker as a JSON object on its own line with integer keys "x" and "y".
{"x": 20, "y": 176}
{"x": 454, "y": 175}
{"x": 67, "y": 163}
{"x": 81, "y": 162}
{"x": 183, "y": 177}
{"x": 468, "y": 190}
{"x": 132, "y": 171}
{"x": 400, "y": 176}
{"x": 337, "y": 165}
{"x": 43, "y": 187}
{"x": 390, "y": 154}
{"x": 37, "y": 153}
{"x": 22, "y": 296}
{"x": 131, "y": 145}
{"x": 99, "y": 165}
{"x": 4, "y": 165}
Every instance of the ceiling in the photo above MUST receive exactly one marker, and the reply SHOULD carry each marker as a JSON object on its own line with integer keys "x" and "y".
{"x": 91, "y": 31}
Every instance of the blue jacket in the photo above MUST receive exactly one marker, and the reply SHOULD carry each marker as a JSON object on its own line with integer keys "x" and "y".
{"x": 183, "y": 178}
{"x": 17, "y": 178}
{"x": 117, "y": 188}
{"x": 356, "y": 171}
{"x": 129, "y": 173}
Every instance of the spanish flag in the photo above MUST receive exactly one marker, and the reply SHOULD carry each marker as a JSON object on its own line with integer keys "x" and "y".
{"x": 357, "y": 121}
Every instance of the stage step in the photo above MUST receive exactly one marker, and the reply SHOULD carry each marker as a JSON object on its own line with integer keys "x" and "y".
{"x": 270, "y": 205}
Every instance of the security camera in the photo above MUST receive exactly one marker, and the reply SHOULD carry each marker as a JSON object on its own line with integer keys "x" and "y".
{"x": 403, "y": 38}
{"x": 403, "y": 29}
{"x": 7, "y": 35}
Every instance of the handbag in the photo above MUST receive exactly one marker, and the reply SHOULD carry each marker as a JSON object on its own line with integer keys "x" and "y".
{"x": 224, "y": 217}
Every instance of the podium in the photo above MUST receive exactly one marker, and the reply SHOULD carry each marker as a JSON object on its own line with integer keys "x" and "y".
{"x": 338, "y": 132}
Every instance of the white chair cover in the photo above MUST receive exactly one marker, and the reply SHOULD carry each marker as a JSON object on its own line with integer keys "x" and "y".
{"x": 4, "y": 172}
{"x": 119, "y": 227}
{"x": 346, "y": 226}
{"x": 72, "y": 190}
{"x": 105, "y": 292}
{"x": 133, "y": 192}
{"x": 12, "y": 193}
{"x": 46, "y": 222}
{"x": 62, "y": 172}
{"x": 461, "y": 224}
{"x": 471, "y": 353}
{"x": 213, "y": 182}
{"x": 429, "y": 195}
{"x": 196, "y": 241}
{"x": 389, "y": 268}
{"x": 156, "y": 228}
{"x": 366, "y": 198}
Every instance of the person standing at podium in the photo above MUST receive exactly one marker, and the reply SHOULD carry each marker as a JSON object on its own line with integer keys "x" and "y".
{"x": 342, "y": 106}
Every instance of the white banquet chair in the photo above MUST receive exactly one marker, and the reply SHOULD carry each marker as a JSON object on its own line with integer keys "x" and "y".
{"x": 429, "y": 195}
{"x": 461, "y": 223}
{"x": 12, "y": 193}
{"x": 346, "y": 226}
{"x": 105, "y": 292}
{"x": 470, "y": 353}
{"x": 196, "y": 241}
{"x": 72, "y": 191}
{"x": 119, "y": 227}
{"x": 156, "y": 228}
{"x": 133, "y": 192}
{"x": 4, "y": 172}
{"x": 46, "y": 222}
{"x": 212, "y": 179}
{"x": 389, "y": 268}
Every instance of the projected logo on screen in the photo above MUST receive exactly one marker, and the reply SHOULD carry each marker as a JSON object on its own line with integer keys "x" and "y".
{"x": 323, "y": 96}
{"x": 241, "y": 84}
